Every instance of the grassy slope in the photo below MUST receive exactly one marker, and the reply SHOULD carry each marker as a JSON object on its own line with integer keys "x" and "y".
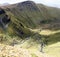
{"x": 51, "y": 17}
{"x": 31, "y": 18}
{"x": 25, "y": 16}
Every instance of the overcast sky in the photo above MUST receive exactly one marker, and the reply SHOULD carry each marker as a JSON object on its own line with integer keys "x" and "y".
{"x": 54, "y": 3}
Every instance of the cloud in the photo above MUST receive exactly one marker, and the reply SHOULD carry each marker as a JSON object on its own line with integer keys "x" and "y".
{"x": 54, "y": 3}
{"x": 10, "y": 1}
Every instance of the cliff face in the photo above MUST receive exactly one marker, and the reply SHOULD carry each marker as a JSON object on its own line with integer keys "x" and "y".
{"x": 4, "y": 19}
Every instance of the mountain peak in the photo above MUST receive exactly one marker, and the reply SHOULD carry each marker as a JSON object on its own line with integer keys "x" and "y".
{"x": 29, "y": 5}
{"x": 26, "y": 3}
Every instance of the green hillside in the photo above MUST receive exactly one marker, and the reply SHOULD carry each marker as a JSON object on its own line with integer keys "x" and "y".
{"x": 28, "y": 15}
{"x": 51, "y": 17}
{"x": 32, "y": 15}
{"x": 28, "y": 24}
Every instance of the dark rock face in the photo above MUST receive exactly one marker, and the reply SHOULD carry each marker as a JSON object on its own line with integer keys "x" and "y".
{"x": 28, "y": 5}
{"x": 2, "y": 11}
{"x": 4, "y": 19}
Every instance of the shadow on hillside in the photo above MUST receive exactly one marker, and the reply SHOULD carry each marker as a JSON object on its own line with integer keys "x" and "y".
{"x": 51, "y": 39}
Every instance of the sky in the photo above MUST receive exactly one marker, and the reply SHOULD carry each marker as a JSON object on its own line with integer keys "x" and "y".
{"x": 53, "y": 3}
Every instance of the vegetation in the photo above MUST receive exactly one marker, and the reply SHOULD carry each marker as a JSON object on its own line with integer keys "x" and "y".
{"x": 31, "y": 26}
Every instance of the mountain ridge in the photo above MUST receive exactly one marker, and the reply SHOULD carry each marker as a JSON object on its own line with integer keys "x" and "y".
{"x": 27, "y": 14}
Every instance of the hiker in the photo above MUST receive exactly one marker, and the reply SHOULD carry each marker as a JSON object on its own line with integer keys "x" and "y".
{"x": 42, "y": 46}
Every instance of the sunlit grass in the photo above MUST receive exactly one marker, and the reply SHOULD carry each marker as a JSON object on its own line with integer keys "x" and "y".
{"x": 53, "y": 49}
{"x": 49, "y": 32}
{"x": 45, "y": 32}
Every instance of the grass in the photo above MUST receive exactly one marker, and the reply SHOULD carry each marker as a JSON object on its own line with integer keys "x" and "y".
{"x": 34, "y": 55}
{"x": 53, "y": 46}
{"x": 49, "y": 32}
{"x": 53, "y": 49}
{"x": 20, "y": 23}
{"x": 9, "y": 40}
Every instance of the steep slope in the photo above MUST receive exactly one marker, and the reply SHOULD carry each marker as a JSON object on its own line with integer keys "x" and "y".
{"x": 18, "y": 29}
{"x": 52, "y": 17}
{"x": 4, "y": 19}
{"x": 28, "y": 12}
{"x": 23, "y": 16}
{"x": 27, "y": 15}
{"x": 33, "y": 15}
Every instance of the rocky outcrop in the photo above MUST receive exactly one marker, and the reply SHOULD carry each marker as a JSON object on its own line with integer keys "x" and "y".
{"x": 9, "y": 51}
{"x": 4, "y": 19}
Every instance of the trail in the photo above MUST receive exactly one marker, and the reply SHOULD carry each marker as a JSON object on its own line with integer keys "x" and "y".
{"x": 44, "y": 32}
